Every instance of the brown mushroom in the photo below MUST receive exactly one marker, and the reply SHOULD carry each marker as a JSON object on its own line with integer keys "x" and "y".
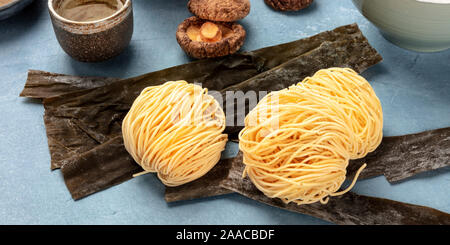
{"x": 205, "y": 39}
{"x": 288, "y": 5}
{"x": 220, "y": 10}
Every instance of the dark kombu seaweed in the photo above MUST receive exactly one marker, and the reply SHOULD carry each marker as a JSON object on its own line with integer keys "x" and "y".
{"x": 347, "y": 209}
{"x": 397, "y": 158}
{"x": 41, "y": 84}
{"x": 80, "y": 121}
{"x": 400, "y": 157}
{"x": 83, "y": 118}
{"x": 215, "y": 74}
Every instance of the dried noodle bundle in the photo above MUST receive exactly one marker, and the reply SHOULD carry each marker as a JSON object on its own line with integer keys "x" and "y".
{"x": 297, "y": 142}
{"x": 175, "y": 129}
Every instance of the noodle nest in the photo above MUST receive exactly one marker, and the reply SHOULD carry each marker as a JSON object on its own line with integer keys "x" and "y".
{"x": 297, "y": 142}
{"x": 175, "y": 130}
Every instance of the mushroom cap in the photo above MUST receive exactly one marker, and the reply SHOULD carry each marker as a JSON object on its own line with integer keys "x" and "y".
{"x": 227, "y": 45}
{"x": 288, "y": 5}
{"x": 220, "y": 10}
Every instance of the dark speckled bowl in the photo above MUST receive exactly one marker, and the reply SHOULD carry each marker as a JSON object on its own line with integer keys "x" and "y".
{"x": 12, "y": 8}
{"x": 93, "y": 41}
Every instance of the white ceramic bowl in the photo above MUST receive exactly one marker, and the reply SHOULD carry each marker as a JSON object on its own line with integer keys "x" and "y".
{"x": 420, "y": 25}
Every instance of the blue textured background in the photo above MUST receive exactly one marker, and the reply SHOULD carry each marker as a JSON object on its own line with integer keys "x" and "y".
{"x": 414, "y": 89}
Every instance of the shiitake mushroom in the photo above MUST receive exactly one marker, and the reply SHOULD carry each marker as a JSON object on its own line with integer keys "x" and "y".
{"x": 220, "y": 10}
{"x": 208, "y": 39}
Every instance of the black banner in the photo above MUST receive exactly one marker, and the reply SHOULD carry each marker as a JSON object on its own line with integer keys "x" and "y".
{"x": 221, "y": 234}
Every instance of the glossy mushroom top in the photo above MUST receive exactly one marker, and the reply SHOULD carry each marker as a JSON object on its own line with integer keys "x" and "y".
{"x": 220, "y": 10}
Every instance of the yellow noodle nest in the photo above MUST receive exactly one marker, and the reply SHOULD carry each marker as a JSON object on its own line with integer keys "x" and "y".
{"x": 359, "y": 102}
{"x": 297, "y": 142}
{"x": 175, "y": 130}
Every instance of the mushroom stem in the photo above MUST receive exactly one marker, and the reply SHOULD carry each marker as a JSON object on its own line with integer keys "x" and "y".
{"x": 210, "y": 32}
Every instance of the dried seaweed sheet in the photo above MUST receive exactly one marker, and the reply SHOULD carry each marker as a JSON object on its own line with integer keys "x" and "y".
{"x": 95, "y": 175}
{"x": 350, "y": 208}
{"x": 104, "y": 162}
{"x": 80, "y": 121}
{"x": 347, "y": 209}
{"x": 58, "y": 118}
{"x": 401, "y": 157}
{"x": 41, "y": 84}
{"x": 97, "y": 116}
{"x": 397, "y": 158}
{"x": 206, "y": 186}
{"x": 224, "y": 71}
{"x": 86, "y": 118}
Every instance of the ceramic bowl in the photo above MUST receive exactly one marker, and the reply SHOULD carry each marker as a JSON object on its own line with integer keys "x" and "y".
{"x": 419, "y": 25}
{"x": 13, "y": 8}
{"x": 93, "y": 41}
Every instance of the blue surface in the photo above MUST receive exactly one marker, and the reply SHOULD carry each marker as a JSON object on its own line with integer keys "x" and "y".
{"x": 414, "y": 89}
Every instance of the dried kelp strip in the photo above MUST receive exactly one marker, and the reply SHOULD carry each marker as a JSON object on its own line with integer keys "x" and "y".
{"x": 401, "y": 157}
{"x": 85, "y": 119}
{"x": 344, "y": 54}
{"x": 337, "y": 53}
{"x": 328, "y": 54}
{"x": 397, "y": 158}
{"x": 61, "y": 147}
{"x": 41, "y": 84}
{"x": 72, "y": 131}
{"x": 98, "y": 169}
{"x": 347, "y": 209}
{"x": 101, "y": 109}
{"x": 224, "y": 71}
{"x": 414, "y": 153}
{"x": 208, "y": 185}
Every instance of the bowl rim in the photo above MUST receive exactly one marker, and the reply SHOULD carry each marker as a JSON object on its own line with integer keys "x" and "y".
{"x": 420, "y": 2}
{"x": 9, "y": 4}
{"x": 125, "y": 6}
{"x": 429, "y": 2}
